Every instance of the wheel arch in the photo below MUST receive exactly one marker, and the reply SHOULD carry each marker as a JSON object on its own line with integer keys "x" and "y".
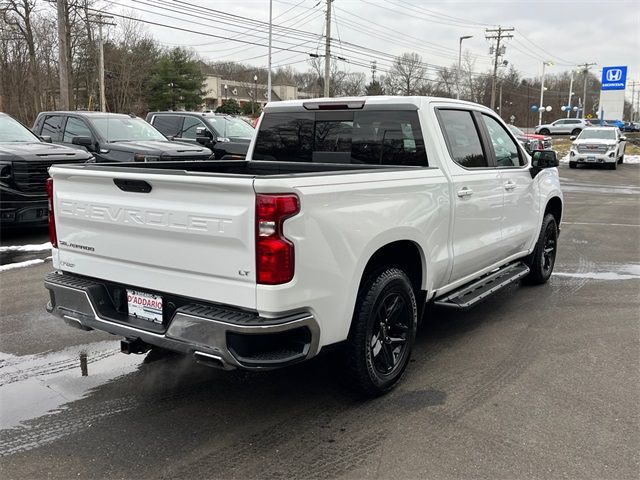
{"x": 403, "y": 254}
{"x": 554, "y": 207}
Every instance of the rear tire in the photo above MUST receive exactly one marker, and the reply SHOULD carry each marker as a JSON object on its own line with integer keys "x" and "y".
{"x": 576, "y": 131}
{"x": 573, "y": 164}
{"x": 382, "y": 333}
{"x": 543, "y": 258}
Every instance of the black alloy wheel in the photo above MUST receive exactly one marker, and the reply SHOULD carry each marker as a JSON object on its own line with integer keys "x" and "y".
{"x": 388, "y": 339}
{"x": 383, "y": 330}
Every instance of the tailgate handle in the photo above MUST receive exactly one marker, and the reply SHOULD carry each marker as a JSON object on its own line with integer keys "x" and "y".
{"x": 138, "y": 186}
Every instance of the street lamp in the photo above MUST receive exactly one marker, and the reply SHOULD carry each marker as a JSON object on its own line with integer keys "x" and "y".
{"x": 460, "y": 64}
{"x": 225, "y": 91}
{"x": 544, "y": 65}
{"x": 255, "y": 96}
{"x": 570, "y": 94}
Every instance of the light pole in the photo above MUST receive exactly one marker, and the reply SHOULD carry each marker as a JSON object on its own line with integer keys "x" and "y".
{"x": 225, "y": 92}
{"x": 544, "y": 65}
{"x": 570, "y": 94}
{"x": 460, "y": 64}
{"x": 255, "y": 94}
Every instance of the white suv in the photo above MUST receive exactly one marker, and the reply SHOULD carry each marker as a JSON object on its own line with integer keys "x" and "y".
{"x": 571, "y": 126}
{"x": 599, "y": 145}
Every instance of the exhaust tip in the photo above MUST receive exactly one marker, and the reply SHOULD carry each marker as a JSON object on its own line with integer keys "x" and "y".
{"x": 210, "y": 360}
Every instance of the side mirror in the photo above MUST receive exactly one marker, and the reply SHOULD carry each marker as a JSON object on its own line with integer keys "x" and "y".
{"x": 544, "y": 159}
{"x": 46, "y": 138}
{"x": 83, "y": 142}
{"x": 573, "y": 137}
{"x": 623, "y": 138}
{"x": 203, "y": 136}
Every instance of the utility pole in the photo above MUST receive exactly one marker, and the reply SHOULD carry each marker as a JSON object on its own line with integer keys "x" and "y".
{"x": 63, "y": 49}
{"x": 327, "y": 50}
{"x": 497, "y": 34}
{"x": 633, "y": 101}
{"x": 100, "y": 21}
{"x": 374, "y": 67}
{"x": 585, "y": 70}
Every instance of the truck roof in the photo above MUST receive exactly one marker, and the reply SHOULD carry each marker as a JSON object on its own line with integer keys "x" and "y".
{"x": 376, "y": 102}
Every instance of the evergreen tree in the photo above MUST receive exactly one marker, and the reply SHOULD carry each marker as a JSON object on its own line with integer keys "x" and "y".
{"x": 176, "y": 82}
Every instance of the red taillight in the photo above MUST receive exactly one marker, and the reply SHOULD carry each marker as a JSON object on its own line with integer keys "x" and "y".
{"x": 53, "y": 238}
{"x": 274, "y": 252}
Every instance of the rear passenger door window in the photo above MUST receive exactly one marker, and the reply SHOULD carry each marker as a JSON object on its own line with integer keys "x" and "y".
{"x": 462, "y": 138}
{"x": 169, "y": 125}
{"x": 52, "y": 127}
{"x": 75, "y": 127}
{"x": 504, "y": 147}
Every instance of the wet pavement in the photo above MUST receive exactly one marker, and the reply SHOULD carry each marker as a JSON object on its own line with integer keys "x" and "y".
{"x": 536, "y": 382}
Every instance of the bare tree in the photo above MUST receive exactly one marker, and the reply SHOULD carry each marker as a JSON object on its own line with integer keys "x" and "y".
{"x": 407, "y": 74}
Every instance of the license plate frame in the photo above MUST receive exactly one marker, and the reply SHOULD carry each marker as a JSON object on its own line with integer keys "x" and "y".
{"x": 591, "y": 159}
{"x": 145, "y": 306}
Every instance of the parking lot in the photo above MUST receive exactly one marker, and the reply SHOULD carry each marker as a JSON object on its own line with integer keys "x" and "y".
{"x": 536, "y": 382}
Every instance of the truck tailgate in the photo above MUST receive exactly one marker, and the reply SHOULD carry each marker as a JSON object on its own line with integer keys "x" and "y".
{"x": 189, "y": 235}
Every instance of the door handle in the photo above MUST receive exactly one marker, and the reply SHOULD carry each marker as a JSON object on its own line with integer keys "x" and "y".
{"x": 509, "y": 185}
{"x": 465, "y": 192}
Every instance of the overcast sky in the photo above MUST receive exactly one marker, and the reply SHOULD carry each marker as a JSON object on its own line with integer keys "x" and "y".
{"x": 566, "y": 32}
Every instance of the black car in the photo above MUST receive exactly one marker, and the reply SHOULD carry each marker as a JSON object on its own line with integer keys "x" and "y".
{"x": 115, "y": 137}
{"x": 226, "y": 135}
{"x": 24, "y": 161}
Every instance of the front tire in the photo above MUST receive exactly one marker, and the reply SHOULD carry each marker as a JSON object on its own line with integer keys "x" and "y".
{"x": 572, "y": 165}
{"x": 621, "y": 159}
{"x": 544, "y": 131}
{"x": 382, "y": 333}
{"x": 543, "y": 258}
{"x": 613, "y": 166}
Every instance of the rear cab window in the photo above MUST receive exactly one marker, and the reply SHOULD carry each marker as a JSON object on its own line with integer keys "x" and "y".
{"x": 345, "y": 137}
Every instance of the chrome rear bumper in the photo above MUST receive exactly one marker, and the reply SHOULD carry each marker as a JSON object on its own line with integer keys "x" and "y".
{"x": 216, "y": 335}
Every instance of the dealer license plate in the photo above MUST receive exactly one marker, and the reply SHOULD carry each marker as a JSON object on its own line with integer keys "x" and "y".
{"x": 145, "y": 306}
{"x": 591, "y": 159}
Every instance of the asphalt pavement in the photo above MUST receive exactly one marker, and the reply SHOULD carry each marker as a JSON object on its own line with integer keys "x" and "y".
{"x": 536, "y": 382}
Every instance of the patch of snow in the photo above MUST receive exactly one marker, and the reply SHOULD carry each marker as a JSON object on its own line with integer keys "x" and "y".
{"x": 26, "y": 263}
{"x": 624, "y": 272}
{"x": 26, "y": 248}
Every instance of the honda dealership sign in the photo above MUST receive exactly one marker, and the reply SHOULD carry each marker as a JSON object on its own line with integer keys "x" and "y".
{"x": 614, "y": 78}
{"x": 614, "y": 82}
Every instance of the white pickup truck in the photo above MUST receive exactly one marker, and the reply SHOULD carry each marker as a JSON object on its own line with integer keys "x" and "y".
{"x": 347, "y": 217}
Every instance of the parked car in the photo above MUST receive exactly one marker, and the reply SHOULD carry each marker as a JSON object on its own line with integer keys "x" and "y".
{"x": 631, "y": 127}
{"x": 531, "y": 141}
{"x": 24, "y": 161}
{"x": 115, "y": 137}
{"x": 603, "y": 145}
{"x": 227, "y": 136}
{"x": 615, "y": 123}
{"x": 337, "y": 229}
{"x": 566, "y": 126}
